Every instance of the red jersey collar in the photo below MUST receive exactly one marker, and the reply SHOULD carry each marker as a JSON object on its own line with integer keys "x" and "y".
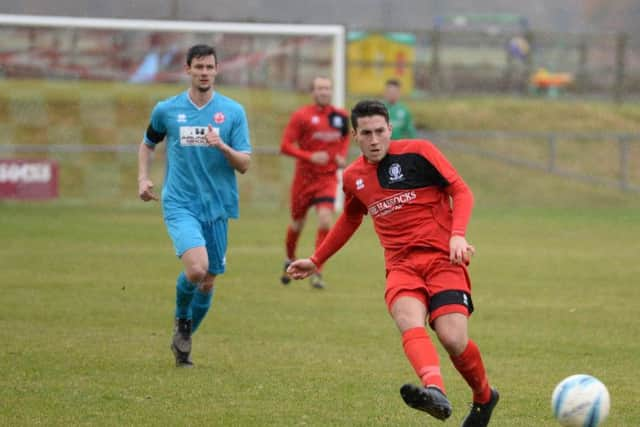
{"x": 322, "y": 108}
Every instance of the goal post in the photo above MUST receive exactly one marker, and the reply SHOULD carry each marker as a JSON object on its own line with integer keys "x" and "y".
{"x": 335, "y": 32}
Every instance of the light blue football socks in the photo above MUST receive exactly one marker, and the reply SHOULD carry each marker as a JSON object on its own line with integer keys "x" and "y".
{"x": 200, "y": 306}
{"x": 184, "y": 295}
{"x": 191, "y": 303}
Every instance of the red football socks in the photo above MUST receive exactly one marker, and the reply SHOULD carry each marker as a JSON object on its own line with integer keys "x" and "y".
{"x": 291, "y": 243}
{"x": 469, "y": 364}
{"x": 423, "y": 356}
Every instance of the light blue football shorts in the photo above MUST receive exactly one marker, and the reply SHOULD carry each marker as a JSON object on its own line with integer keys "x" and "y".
{"x": 187, "y": 232}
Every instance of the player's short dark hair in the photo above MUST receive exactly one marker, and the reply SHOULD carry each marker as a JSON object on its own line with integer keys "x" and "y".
{"x": 199, "y": 51}
{"x": 393, "y": 82}
{"x": 368, "y": 108}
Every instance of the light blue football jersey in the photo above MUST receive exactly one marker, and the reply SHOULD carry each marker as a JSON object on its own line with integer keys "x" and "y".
{"x": 198, "y": 177}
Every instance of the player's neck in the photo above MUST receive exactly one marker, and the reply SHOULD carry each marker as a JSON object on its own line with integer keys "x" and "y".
{"x": 200, "y": 98}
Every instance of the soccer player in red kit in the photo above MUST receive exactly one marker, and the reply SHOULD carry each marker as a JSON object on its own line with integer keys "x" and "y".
{"x": 420, "y": 208}
{"x": 317, "y": 135}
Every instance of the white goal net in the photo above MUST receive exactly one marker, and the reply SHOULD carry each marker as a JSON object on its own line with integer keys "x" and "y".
{"x": 80, "y": 90}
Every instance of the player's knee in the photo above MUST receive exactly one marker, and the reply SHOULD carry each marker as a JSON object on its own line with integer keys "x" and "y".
{"x": 324, "y": 219}
{"x": 453, "y": 340}
{"x": 196, "y": 273}
{"x": 296, "y": 225}
{"x": 324, "y": 224}
{"x": 406, "y": 320}
{"x": 207, "y": 285}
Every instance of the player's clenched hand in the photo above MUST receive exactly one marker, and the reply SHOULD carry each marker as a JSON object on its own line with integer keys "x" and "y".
{"x": 320, "y": 157}
{"x": 460, "y": 250}
{"x": 341, "y": 162}
{"x": 145, "y": 190}
{"x": 213, "y": 137}
{"x": 301, "y": 268}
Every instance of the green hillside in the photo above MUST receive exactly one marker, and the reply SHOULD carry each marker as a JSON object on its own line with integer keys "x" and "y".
{"x": 61, "y": 102}
{"x": 36, "y": 112}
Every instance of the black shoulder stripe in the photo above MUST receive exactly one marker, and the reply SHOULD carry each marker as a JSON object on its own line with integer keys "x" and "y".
{"x": 154, "y": 136}
{"x": 408, "y": 171}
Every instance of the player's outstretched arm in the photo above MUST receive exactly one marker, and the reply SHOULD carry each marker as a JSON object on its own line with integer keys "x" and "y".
{"x": 301, "y": 268}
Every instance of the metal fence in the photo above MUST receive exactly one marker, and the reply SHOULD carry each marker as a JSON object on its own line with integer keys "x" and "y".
{"x": 609, "y": 159}
{"x": 108, "y": 172}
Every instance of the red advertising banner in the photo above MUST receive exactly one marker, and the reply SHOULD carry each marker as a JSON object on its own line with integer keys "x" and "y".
{"x": 28, "y": 179}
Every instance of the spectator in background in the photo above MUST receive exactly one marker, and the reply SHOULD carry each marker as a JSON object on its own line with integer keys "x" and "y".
{"x": 399, "y": 115}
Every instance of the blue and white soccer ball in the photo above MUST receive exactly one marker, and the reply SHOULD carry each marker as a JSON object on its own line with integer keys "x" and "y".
{"x": 580, "y": 401}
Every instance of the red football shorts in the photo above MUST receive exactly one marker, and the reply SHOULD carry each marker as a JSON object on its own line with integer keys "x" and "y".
{"x": 429, "y": 276}
{"x": 319, "y": 191}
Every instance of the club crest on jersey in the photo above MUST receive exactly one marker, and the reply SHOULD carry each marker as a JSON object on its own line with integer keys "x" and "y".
{"x": 218, "y": 118}
{"x": 315, "y": 120}
{"x": 337, "y": 122}
{"x": 182, "y": 118}
{"x": 395, "y": 173}
{"x": 359, "y": 184}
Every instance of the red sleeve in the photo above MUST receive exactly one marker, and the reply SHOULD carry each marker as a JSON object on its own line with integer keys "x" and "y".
{"x": 462, "y": 205}
{"x": 291, "y": 137}
{"x": 439, "y": 161}
{"x": 458, "y": 190}
{"x": 342, "y": 230}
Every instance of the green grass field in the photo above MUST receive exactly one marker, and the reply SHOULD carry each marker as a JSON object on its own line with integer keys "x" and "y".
{"x": 88, "y": 296}
{"x": 88, "y": 282}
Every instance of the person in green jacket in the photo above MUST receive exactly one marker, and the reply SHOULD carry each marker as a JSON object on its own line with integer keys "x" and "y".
{"x": 399, "y": 115}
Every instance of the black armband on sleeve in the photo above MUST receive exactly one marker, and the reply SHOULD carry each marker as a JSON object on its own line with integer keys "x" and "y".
{"x": 154, "y": 136}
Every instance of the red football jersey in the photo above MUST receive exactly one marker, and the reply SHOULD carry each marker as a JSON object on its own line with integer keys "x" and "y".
{"x": 408, "y": 195}
{"x": 314, "y": 128}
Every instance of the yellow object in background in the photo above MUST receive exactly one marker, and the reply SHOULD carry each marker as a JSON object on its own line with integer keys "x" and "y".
{"x": 373, "y": 58}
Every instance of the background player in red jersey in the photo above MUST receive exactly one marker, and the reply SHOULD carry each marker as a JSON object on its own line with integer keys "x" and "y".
{"x": 420, "y": 208}
{"x": 317, "y": 135}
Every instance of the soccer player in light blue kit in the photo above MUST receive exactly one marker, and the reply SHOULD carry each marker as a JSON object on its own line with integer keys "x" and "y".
{"x": 207, "y": 139}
